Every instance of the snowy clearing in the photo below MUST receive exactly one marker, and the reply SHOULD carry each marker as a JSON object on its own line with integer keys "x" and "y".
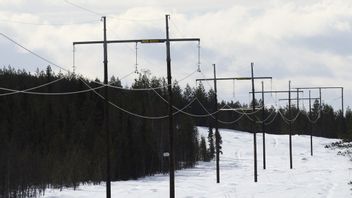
{"x": 326, "y": 174}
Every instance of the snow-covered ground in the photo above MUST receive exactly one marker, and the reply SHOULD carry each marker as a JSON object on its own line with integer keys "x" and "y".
{"x": 323, "y": 175}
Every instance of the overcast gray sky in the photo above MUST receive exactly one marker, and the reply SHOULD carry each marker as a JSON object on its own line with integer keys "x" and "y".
{"x": 307, "y": 42}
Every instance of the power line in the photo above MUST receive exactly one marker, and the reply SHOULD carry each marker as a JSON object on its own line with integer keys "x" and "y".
{"x": 266, "y": 119}
{"x": 271, "y": 121}
{"x": 48, "y": 24}
{"x": 231, "y": 122}
{"x": 83, "y": 8}
{"x": 145, "y": 89}
{"x": 135, "y": 114}
{"x": 13, "y": 91}
{"x": 289, "y": 120}
{"x": 189, "y": 114}
{"x": 33, "y": 53}
{"x": 105, "y": 14}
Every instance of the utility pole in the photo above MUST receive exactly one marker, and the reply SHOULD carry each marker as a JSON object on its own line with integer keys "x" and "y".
{"x": 320, "y": 98}
{"x": 311, "y": 125}
{"x": 171, "y": 127}
{"x": 342, "y": 105}
{"x": 106, "y": 114}
{"x": 253, "y": 130}
{"x": 263, "y": 126}
{"x": 217, "y": 134}
{"x": 297, "y": 99}
{"x": 290, "y": 124}
{"x": 252, "y": 78}
{"x": 169, "y": 78}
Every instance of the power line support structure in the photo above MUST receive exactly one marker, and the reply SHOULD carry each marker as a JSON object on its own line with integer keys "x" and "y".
{"x": 169, "y": 79}
{"x": 217, "y": 134}
{"x": 289, "y": 106}
{"x": 311, "y": 124}
{"x": 263, "y": 126}
{"x": 253, "y": 129}
{"x": 290, "y": 123}
{"x": 252, "y": 78}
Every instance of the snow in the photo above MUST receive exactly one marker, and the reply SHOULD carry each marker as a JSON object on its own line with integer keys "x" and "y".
{"x": 325, "y": 174}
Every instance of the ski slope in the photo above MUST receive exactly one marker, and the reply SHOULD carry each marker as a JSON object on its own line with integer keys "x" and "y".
{"x": 324, "y": 175}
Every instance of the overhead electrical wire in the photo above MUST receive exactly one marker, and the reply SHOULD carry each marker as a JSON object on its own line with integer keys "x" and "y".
{"x": 287, "y": 120}
{"x": 64, "y": 69}
{"x": 14, "y": 91}
{"x": 135, "y": 114}
{"x": 48, "y": 24}
{"x": 28, "y": 91}
{"x": 189, "y": 114}
{"x": 231, "y": 122}
{"x": 316, "y": 120}
{"x": 104, "y": 14}
{"x": 145, "y": 89}
{"x": 83, "y": 8}
{"x": 271, "y": 121}
{"x": 33, "y": 53}
{"x": 266, "y": 119}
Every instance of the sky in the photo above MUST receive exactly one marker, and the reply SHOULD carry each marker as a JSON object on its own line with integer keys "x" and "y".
{"x": 306, "y": 42}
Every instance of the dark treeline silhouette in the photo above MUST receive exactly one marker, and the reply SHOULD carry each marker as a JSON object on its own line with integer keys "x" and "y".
{"x": 331, "y": 123}
{"x": 59, "y": 141}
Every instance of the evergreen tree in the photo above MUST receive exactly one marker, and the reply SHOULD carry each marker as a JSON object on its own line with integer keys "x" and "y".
{"x": 211, "y": 143}
{"x": 203, "y": 151}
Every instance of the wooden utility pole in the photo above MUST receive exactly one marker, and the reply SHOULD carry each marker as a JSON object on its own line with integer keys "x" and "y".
{"x": 252, "y": 78}
{"x": 106, "y": 115}
{"x": 253, "y": 129}
{"x": 289, "y": 123}
{"x": 171, "y": 127}
{"x": 217, "y": 134}
{"x": 263, "y": 126}
{"x": 311, "y": 125}
{"x": 169, "y": 79}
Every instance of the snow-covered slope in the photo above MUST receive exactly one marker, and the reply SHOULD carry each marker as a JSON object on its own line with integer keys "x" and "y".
{"x": 323, "y": 175}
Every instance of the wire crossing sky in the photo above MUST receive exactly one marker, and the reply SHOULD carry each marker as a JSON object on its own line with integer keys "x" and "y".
{"x": 307, "y": 42}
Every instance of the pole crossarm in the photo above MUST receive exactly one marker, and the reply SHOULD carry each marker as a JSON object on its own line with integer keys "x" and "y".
{"x": 137, "y": 41}
{"x": 235, "y": 78}
{"x": 318, "y": 88}
{"x": 257, "y": 92}
{"x": 327, "y": 87}
{"x": 300, "y": 99}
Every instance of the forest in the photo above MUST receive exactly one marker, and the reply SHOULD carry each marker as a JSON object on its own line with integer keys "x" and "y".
{"x": 59, "y": 140}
